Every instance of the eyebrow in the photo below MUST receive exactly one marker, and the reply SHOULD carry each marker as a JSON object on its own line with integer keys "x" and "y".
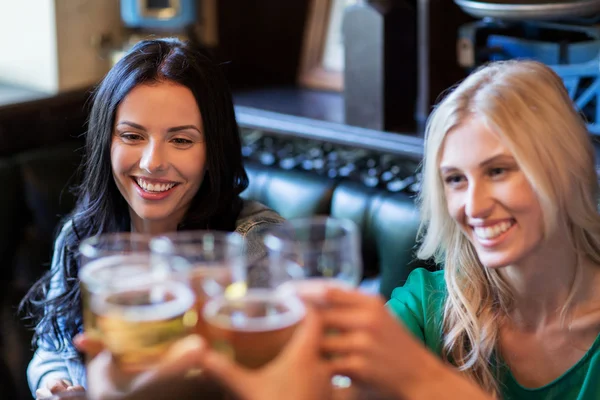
{"x": 491, "y": 160}
{"x": 172, "y": 129}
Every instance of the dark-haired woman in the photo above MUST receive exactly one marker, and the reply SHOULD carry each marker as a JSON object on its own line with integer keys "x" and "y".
{"x": 163, "y": 153}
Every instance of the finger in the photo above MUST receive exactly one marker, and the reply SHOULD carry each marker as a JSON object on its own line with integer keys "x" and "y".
{"x": 347, "y": 318}
{"x": 43, "y": 393}
{"x": 182, "y": 357}
{"x": 354, "y": 367}
{"x": 58, "y": 386}
{"x": 76, "y": 389}
{"x": 335, "y": 296}
{"x": 306, "y": 340}
{"x": 87, "y": 344}
{"x": 346, "y": 343}
{"x": 226, "y": 371}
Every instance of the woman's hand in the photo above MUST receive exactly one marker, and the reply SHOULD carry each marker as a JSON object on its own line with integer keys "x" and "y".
{"x": 87, "y": 344}
{"x": 298, "y": 373}
{"x": 369, "y": 345}
{"x": 177, "y": 376}
{"x": 54, "y": 387}
{"x": 373, "y": 348}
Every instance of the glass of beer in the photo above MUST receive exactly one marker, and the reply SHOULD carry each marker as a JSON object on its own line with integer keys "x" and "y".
{"x": 215, "y": 262}
{"x": 103, "y": 252}
{"x": 139, "y": 319}
{"x": 308, "y": 255}
{"x": 113, "y": 271}
{"x": 252, "y": 329}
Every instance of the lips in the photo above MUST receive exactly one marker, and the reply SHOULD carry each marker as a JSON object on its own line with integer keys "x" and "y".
{"x": 492, "y": 231}
{"x": 154, "y": 186}
{"x": 154, "y": 189}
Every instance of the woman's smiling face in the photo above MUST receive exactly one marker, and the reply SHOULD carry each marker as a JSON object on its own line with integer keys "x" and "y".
{"x": 158, "y": 152}
{"x": 489, "y": 196}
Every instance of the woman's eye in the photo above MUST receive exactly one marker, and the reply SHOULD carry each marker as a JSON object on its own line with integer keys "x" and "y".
{"x": 182, "y": 141}
{"x": 131, "y": 137}
{"x": 497, "y": 171}
{"x": 453, "y": 179}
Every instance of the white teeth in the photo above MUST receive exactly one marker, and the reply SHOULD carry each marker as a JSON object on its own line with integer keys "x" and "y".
{"x": 158, "y": 187}
{"x": 491, "y": 232}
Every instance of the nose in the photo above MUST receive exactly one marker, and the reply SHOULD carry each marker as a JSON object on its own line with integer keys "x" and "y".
{"x": 153, "y": 159}
{"x": 479, "y": 202}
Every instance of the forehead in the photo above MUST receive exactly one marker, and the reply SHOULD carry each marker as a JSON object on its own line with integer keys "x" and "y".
{"x": 470, "y": 144}
{"x": 163, "y": 101}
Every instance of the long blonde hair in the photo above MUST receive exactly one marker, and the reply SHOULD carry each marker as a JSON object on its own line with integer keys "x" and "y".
{"x": 525, "y": 103}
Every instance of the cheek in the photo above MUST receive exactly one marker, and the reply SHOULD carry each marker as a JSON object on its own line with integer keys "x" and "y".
{"x": 194, "y": 167}
{"x": 455, "y": 206}
{"x": 122, "y": 159}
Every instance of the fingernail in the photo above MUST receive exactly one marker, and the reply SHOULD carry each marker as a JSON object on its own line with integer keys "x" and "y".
{"x": 66, "y": 383}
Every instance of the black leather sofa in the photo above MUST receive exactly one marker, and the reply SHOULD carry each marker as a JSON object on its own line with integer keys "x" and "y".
{"x": 35, "y": 197}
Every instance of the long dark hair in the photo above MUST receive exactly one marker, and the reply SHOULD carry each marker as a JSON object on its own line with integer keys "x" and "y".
{"x": 101, "y": 208}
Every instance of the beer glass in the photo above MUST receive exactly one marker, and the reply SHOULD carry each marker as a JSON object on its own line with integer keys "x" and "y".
{"x": 308, "y": 255}
{"x": 103, "y": 252}
{"x": 215, "y": 263}
{"x": 138, "y": 319}
{"x": 113, "y": 271}
{"x": 252, "y": 329}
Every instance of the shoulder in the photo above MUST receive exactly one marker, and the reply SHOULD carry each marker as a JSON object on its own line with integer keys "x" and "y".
{"x": 422, "y": 289}
{"x": 254, "y": 215}
{"x": 419, "y": 305}
{"x": 422, "y": 281}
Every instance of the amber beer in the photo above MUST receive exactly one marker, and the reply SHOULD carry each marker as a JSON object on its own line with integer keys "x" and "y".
{"x": 206, "y": 282}
{"x": 111, "y": 272}
{"x": 254, "y": 328}
{"x": 138, "y": 324}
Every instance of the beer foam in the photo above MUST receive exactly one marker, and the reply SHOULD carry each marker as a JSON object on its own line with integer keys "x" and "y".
{"x": 236, "y": 317}
{"x": 120, "y": 270}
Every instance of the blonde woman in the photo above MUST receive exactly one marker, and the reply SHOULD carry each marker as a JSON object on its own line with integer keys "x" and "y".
{"x": 509, "y": 208}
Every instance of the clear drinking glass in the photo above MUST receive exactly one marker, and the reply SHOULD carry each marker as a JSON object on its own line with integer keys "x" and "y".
{"x": 139, "y": 319}
{"x": 307, "y": 255}
{"x": 252, "y": 329}
{"x": 111, "y": 244}
{"x": 119, "y": 270}
{"x": 215, "y": 263}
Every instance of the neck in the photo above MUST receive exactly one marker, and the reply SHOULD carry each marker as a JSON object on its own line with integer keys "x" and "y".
{"x": 541, "y": 284}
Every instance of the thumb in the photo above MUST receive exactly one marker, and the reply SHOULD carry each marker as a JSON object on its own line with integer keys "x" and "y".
{"x": 306, "y": 339}
{"x": 88, "y": 344}
{"x": 225, "y": 370}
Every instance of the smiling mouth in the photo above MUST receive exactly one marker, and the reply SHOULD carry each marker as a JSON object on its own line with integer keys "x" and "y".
{"x": 494, "y": 231}
{"x": 154, "y": 187}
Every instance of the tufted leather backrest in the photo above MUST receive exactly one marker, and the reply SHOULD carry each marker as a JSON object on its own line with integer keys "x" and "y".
{"x": 292, "y": 194}
{"x": 388, "y": 221}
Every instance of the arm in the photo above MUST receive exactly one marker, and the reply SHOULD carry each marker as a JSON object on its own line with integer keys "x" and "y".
{"x": 48, "y": 365}
{"x": 394, "y": 350}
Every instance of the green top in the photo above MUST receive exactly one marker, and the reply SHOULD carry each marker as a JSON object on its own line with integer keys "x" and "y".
{"x": 419, "y": 304}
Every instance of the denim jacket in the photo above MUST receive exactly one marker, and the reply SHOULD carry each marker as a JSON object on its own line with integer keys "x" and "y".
{"x": 48, "y": 365}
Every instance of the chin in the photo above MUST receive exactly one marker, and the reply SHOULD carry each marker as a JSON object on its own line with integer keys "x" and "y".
{"x": 495, "y": 261}
{"x": 150, "y": 216}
